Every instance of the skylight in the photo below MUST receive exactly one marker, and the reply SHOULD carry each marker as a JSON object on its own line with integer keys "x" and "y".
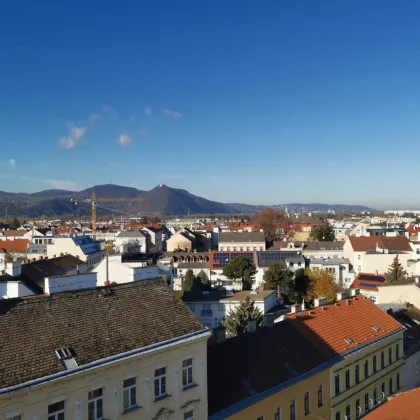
{"x": 376, "y": 328}
{"x": 348, "y": 340}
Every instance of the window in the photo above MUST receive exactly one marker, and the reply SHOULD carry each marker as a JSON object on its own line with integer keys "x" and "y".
{"x": 129, "y": 393}
{"x": 337, "y": 384}
{"x": 13, "y": 416}
{"x": 221, "y": 308}
{"x": 382, "y": 360}
{"x": 347, "y": 378}
{"x": 367, "y": 401}
{"x": 359, "y": 268}
{"x": 357, "y": 373}
{"x": 390, "y": 355}
{"x": 398, "y": 381}
{"x": 189, "y": 415}
{"x": 187, "y": 372}
{"x": 359, "y": 257}
{"x": 337, "y": 415}
{"x": 293, "y": 410}
{"x": 375, "y": 396}
{"x": 358, "y": 408}
{"x": 260, "y": 418}
{"x": 374, "y": 364}
{"x": 366, "y": 369}
{"x": 277, "y": 414}
{"x": 397, "y": 352}
{"x": 96, "y": 403}
{"x": 320, "y": 397}
{"x": 160, "y": 382}
{"x": 390, "y": 386}
{"x": 307, "y": 403}
{"x": 56, "y": 411}
{"x": 348, "y": 411}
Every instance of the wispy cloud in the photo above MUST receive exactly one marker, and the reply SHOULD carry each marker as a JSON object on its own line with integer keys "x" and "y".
{"x": 12, "y": 163}
{"x": 172, "y": 113}
{"x": 147, "y": 111}
{"x": 124, "y": 139}
{"x": 74, "y": 136}
{"x": 95, "y": 117}
{"x": 144, "y": 133}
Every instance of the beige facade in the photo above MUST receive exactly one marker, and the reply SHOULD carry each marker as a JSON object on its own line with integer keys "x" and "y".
{"x": 179, "y": 241}
{"x": 106, "y": 383}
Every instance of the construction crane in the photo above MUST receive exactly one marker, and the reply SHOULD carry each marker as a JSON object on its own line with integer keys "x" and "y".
{"x": 95, "y": 200}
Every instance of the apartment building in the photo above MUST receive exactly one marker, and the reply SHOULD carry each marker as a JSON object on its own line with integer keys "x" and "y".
{"x": 125, "y": 352}
{"x": 340, "y": 268}
{"x": 242, "y": 241}
{"x": 367, "y": 346}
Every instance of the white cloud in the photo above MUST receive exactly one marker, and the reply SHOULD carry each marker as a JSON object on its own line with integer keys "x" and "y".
{"x": 12, "y": 163}
{"x": 144, "y": 133}
{"x": 147, "y": 111}
{"x": 72, "y": 139}
{"x": 60, "y": 184}
{"x": 172, "y": 113}
{"x": 95, "y": 117}
{"x": 124, "y": 139}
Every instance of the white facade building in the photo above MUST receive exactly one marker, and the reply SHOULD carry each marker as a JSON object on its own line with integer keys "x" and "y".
{"x": 242, "y": 241}
{"x": 131, "y": 240}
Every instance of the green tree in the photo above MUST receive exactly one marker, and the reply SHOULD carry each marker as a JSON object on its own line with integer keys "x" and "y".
{"x": 396, "y": 272}
{"x": 236, "y": 322}
{"x": 203, "y": 277}
{"x": 301, "y": 283}
{"x": 241, "y": 268}
{"x": 189, "y": 280}
{"x": 15, "y": 223}
{"x": 323, "y": 233}
{"x": 277, "y": 276}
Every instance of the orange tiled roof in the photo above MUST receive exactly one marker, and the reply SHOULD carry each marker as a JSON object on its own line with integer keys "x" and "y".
{"x": 368, "y": 281}
{"x": 413, "y": 229}
{"x": 352, "y": 318}
{"x": 366, "y": 243}
{"x": 13, "y": 232}
{"x": 405, "y": 406}
{"x": 18, "y": 245}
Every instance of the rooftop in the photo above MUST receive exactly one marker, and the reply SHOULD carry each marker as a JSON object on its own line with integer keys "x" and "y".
{"x": 404, "y": 406}
{"x": 253, "y": 295}
{"x": 115, "y": 320}
{"x": 18, "y": 246}
{"x": 194, "y": 264}
{"x": 357, "y": 319}
{"x": 241, "y": 237}
{"x": 368, "y": 243}
{"x": 131, "y": 234}
{"x": 368, "y": 281}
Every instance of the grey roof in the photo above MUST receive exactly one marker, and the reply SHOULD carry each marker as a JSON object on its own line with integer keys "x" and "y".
{"x": 241, "y": 237}
{"x": 193, "y": 264}
{"x": 131, "y": 234}
{"x": 37, "y": 248}
{"x": 330, "y": 261}
{"x": 199, "y": 296}
{"x": 115, "y": 320}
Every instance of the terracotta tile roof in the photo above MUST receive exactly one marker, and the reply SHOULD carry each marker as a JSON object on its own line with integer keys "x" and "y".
{"x": 256, "y": 362}
{"x": 367, "y": 243}
{"x": 405, "y": 406}
{"x": 352, "y": 319}
{"x": 131, "y": 316}
{"x": 18, "y": 245}
{"x": 13, "y": 232}
{"x": 368, "y": 281}
{"x": 413, "y": 229}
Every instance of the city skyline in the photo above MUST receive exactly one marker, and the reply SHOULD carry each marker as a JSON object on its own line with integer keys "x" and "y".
{"x": 257, "y": 104}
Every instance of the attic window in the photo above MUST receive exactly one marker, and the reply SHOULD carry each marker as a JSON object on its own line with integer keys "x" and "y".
{"x": 348, "y": 340}
{"x": 63, "y": 353}
{"x": 376, "y": 328}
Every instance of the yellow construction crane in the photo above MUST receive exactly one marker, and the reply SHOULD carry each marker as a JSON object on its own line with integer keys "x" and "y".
{"x": 95, "y": 200}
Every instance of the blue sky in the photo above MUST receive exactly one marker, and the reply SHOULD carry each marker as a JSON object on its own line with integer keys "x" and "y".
{"x": 242, "y": 101}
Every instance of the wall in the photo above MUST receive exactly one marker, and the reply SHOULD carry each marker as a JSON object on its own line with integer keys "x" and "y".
{"x": 282, "y": 399}
{"x": 399, "y": 295}
{"x": 139, "y": 241}
{"x": 372, "y": 263}
{"x": 72, "y": 282}
{"x": 241, "y": 246}
{"x": 178, "y": 241}
{"x": 33, "y": 402}
{"x": 412, "y": 371}
{"x": 13, "y": 289}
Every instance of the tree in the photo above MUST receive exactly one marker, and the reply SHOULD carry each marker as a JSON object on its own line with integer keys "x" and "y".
{"x": 241, "y": 268}
{"x": 268, "y": 220}
{"x": 189, "y": 280}
{"x": 203, "y": 277}
{"x": 301, "y": 283}
{"x": 236, "y": 322}
{"x": 323, "y": 233}
{"x": 277, "y": 276}
{"x": 321, "y": 284}
{"x": 396, "y": 272}
{"x": 15, "y": 223}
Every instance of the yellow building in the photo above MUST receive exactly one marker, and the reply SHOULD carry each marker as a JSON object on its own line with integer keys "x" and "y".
{"x": 132, "y": 351}
{"x": 367, "y": 347}
{"x": 273, "y": 373}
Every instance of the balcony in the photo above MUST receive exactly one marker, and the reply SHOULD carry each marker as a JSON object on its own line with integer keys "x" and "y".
{"x": 206, "y": 312}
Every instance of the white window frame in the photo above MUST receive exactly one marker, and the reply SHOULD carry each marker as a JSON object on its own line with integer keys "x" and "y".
{"x": 95, "y": 401}
{"x": 128, "y": 394}
{"x": 277, "y": 413}
{"x": 189, "y": 415}
{"x": 162, "y": 383}
{"x": 55, "y": 414}
{"x": 187, "y": 372}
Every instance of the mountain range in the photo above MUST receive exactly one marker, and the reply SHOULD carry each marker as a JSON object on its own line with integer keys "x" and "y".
{"x": 161, "y": 200}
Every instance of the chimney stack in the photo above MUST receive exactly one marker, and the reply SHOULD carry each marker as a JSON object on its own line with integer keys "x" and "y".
{"x": 339, "y": 296}
{"x": 219, "y": 334}
{"x": 321, "y": 301}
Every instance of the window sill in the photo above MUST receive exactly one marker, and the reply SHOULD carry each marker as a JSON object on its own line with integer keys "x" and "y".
{"x": 162, "y": 397}
{"x": 187, "y": 387}
{"x": 129, "y": 410}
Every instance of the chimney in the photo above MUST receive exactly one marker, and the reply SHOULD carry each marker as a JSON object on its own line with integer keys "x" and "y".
{"x": 299, "y": 307}
{"x": 339, "y": 296}
{"x": 417, "y": 279}
{"x": 251, "y": 326}
{"x": 321, "y": 301}
{"x": 268, "y": 320}
{"x": 14, "y": 269}
{"x": 219, "y": 334}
